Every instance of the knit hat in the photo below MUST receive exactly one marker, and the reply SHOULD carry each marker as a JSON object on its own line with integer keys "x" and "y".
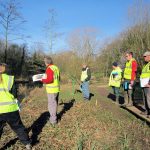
{"x": 115, "y": 64}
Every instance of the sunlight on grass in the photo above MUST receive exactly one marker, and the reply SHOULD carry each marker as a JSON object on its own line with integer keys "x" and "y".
{"x": 94, "y": 125}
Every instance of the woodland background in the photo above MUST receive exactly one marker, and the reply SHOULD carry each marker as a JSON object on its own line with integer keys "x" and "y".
{"x": 83, "y": 43}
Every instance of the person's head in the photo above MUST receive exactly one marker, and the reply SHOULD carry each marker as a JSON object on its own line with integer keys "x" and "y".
{"x": 114, "y": 65}
{"x": 2, "y": 68}
{"x": 146, "y": 56}
{"x": 48, "y": 61}
{"x": 84, "y": 65}
{"x": 129, "y": 55}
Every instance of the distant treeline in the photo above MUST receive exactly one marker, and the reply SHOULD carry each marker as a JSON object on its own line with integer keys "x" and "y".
{"x": 23, "y": 63}
{"x": 84, "y": 45}
{"x": 136, "y": 39}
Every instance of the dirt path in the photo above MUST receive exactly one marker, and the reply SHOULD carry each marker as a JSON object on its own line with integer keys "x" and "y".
{"x": 104, "y": 92}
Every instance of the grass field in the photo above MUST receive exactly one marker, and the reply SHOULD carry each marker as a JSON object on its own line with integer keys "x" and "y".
{"x": 95, "y": 125}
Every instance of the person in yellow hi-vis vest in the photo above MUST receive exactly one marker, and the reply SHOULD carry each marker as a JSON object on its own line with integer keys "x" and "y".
{"x": 146, "y": 89}
{"x": 129, "y": 76}
{"x": 9, "y": 110}
{"x": 85, "y": 78}
{"x": 51, "y": 81}
{"x": 115, "y": 80}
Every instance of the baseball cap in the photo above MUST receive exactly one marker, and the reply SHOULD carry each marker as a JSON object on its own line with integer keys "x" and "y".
{"x": 146, "y": 53}
{"x": 3, "y": 64}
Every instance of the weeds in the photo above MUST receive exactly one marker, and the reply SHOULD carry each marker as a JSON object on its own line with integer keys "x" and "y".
{"x": 124, "y": 142}
{"x": 93, "y": 125}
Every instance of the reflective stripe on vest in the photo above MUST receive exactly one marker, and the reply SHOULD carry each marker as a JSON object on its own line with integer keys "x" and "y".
{"x": 10, "y": 82}
{"x": 128, "y": 69}
{"x": 146, "y": 71}
{"x": 7, "y": 103}
{"x": 53, "y": 87}
{"x": 3, "y": 89}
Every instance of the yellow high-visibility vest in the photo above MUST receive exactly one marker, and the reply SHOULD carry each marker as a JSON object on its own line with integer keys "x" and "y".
{"x": 115, "y": 81}
{"x": 84, "y": 75}
{"x": 128, "y": 69}
{"x": 7, "y": 100}
{"x": 146, "y": 71}
{"x": 54, "y": 87}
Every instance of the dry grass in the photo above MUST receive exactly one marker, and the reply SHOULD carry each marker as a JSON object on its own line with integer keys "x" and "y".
{"x": 93, "y": 125}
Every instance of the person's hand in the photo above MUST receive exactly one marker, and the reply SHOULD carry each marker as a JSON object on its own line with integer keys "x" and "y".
{"x": 131, "y": 82}
{"x": 44, "y": 76}
{"x": 147, "y": 85}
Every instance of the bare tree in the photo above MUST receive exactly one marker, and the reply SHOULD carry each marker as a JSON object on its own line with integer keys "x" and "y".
{"x": 10, "y": 20}
{"x": 84, "y": 43}
{"x": 50, "y": 29}
{"x": 139, "y": 13}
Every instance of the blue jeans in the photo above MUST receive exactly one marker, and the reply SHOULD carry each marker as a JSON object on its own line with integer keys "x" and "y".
{"x": 85, "y": 89}
{"x": 116, "y": 92}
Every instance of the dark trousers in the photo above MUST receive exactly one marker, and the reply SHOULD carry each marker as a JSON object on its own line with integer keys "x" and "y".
{"x": 14, "y": 120}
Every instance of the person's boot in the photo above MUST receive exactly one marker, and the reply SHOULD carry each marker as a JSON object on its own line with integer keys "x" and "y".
{"x": 148, "y": 114}
{"x": 143, "y": 113}
{"x": 130, "y": 103}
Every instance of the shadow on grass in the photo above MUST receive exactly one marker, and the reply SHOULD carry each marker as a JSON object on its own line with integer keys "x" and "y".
{"x": 140, "y": 108}
{"x": 91, "y": 95}
{"x": 137, "y": 116}
{"x": 66, "y": 107}
{"x": 113, "y": 98}
{"x": 79, "y": 91}
{"x": 37, "y": 126}
{"x": 9, "y": 144}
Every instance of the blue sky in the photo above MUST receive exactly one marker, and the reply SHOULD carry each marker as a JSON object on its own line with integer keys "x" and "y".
{"x": 108, "y": 16}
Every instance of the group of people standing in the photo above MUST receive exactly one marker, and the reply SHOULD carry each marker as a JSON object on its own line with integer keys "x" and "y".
{"x": 128, "y": 77}
{"x": 9, "y": 109}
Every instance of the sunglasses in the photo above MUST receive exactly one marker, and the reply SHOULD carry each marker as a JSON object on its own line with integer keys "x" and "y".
{"x": 144, "y": 56}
